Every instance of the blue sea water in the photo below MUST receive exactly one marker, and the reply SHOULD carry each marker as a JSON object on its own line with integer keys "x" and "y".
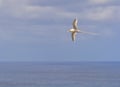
{"x": 83, "y": 74}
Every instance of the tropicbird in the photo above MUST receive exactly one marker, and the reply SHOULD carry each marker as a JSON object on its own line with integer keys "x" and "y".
{"x": 75, "y": 30}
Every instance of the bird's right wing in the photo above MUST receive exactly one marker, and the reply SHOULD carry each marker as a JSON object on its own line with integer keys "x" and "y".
{"x": 75, "y": 24}
{"x": 73, "y": 36}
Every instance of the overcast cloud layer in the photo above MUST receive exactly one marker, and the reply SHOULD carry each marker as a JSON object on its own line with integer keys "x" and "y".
{"x": 47, "y": 21}
{"x": 32, "y": 16}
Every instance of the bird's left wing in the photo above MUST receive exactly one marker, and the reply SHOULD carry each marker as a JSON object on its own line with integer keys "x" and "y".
{"x": 75, "y": 24}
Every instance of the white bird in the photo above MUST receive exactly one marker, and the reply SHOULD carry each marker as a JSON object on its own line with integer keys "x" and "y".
{"x": 75, "y": 30}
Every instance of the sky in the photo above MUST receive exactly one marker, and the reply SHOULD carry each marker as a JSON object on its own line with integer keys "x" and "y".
{"x": 36, "y": 30}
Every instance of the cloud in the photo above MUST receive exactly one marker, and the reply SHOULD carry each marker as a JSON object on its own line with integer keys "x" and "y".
{"x": 1, "y": 1}
{"x": 17, "y": 13}
{"x": 99, "y": 1}
{"x": 23, "y": 9}
{"x": 102, "y": 13}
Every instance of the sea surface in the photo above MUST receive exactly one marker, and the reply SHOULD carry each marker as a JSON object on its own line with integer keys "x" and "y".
{"x": 77, "y": 74}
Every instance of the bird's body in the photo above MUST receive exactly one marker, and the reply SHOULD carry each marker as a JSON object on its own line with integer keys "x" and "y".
{"x": 74, "y": 30}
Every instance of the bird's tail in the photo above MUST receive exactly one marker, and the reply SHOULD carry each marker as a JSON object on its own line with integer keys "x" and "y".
{"x": 91, "y": 33}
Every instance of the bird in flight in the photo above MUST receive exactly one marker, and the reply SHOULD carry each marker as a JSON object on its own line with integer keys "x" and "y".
{"x": 75, "y": 30}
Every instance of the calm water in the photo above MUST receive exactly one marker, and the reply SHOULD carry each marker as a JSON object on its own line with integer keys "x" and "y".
{"x": 24, "y": 74}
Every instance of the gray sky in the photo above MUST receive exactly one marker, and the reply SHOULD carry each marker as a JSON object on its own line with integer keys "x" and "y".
{"x": 36, "y": 30}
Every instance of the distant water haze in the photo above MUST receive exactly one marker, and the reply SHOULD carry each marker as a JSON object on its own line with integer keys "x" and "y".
{"x": 35, "y": 74}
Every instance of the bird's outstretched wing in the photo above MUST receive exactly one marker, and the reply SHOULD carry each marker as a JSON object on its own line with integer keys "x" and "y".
{"x": 75, "y": 24}
{"x": 73, "y": 36}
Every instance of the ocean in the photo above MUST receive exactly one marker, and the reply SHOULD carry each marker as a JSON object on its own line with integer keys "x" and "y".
{"x": 66, "y": 74}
